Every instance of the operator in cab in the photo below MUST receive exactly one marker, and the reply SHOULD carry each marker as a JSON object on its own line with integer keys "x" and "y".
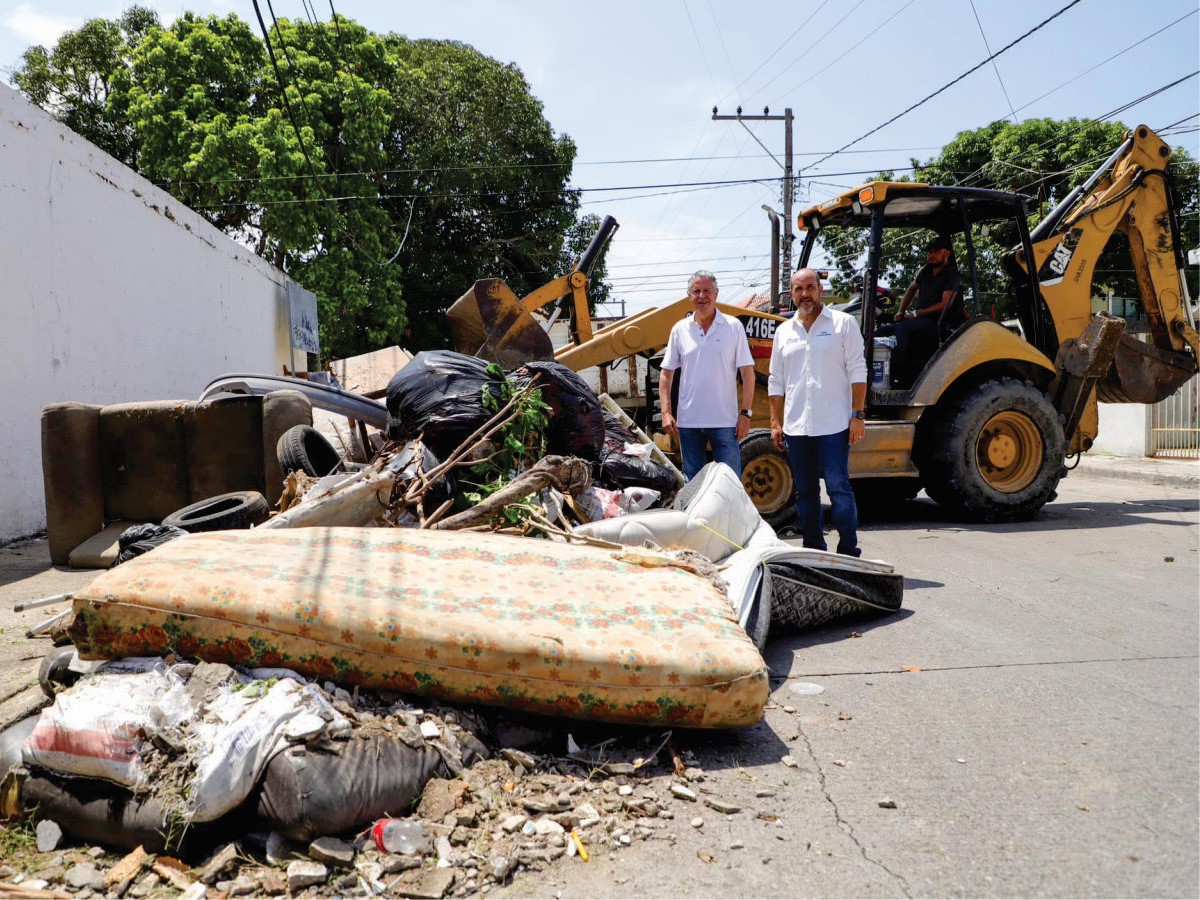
{"x": 936, "y": 286}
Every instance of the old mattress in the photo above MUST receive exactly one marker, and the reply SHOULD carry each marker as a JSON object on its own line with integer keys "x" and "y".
{"x": 478, "y": 618}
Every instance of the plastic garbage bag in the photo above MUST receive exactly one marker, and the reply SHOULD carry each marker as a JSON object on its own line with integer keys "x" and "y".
{"x": 439, "y": 393}
{"x": 139, "y": 539}
{"x": 577, "y": 422}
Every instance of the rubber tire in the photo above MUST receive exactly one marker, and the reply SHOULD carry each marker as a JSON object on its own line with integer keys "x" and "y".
{"x": 53, "y": 674}
{"x": 237, "y": 509}
{"x": 950, "y": 466}
{"x": 304, "y": 449}
{"x": 767, "y": 478}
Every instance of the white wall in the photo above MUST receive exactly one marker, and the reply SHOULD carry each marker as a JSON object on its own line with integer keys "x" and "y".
{"x": 110, "y": 291}
{"x": 1124, "y": 430}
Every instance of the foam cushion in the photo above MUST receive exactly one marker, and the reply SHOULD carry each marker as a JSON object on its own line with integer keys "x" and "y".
{"x": 543, "y": 627}
{"x": 714, "y": 517}
{"x": 101, "y": 549}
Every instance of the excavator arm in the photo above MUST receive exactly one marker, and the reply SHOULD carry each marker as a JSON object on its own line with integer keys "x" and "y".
{"x": 489, "y": 321}
{"x": 1129, "y": 193}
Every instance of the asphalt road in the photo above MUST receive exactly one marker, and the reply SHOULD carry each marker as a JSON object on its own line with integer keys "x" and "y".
{"x": 1032, "y": 712}
{"x": 1047, "y": 746}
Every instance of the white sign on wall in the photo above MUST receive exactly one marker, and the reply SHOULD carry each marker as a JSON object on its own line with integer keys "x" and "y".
{"x": 302, "y": 314}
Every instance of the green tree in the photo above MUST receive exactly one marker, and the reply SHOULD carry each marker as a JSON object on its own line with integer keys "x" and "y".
{"x": 396, "y": 173}
{"x": 73, "y": 81}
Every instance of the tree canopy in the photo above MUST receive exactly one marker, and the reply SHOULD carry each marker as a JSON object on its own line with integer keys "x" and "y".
{"x": 384, "y": 174}
{"x": 1040, "y": 158}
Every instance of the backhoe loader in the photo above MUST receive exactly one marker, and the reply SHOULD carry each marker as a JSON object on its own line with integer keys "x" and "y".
{"x": 987, "y": 425}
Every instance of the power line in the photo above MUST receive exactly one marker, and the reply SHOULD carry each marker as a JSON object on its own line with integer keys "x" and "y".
{"x": 840, "y": 57}
{"x": 775, "y": 52}
{"x": 830, "y": 30}
{"x": 995, "y": 68}
{"x": 951, "y": 83}
{"x": 1106, "y": 61}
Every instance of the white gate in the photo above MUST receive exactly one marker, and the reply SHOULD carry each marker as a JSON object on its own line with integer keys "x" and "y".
{"x": 1175, "y": 423}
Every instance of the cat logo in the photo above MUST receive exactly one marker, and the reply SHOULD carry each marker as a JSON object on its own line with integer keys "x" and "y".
{"x": 1055, "y": 266}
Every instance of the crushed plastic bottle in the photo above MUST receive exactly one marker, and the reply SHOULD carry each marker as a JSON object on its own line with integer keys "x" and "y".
{"x": 402, "y": 836}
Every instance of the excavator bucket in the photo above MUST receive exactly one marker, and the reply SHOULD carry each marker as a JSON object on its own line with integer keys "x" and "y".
{"x": 489, "y": 321}
{"x": 1143, "y": 373}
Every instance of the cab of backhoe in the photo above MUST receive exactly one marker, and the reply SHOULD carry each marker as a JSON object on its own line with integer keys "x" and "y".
{"x": 886, "y": 227}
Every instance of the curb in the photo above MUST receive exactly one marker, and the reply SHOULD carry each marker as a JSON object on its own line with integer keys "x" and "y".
{"x": 1147, "y": 472}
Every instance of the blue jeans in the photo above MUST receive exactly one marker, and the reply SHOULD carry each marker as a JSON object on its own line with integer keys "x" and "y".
{"x": 829, "y": 456}
{"x": 693, "y": 443}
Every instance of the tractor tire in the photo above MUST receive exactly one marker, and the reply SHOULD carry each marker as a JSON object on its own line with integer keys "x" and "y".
{"x": 767, "y": 478}
{"x": 995, "y": 453}
{"x": 304, "y": 449}
{"x": 238, "y": 509}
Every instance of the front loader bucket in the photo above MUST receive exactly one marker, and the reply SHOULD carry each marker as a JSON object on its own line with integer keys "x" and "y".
{"x": 489, "y": 321}
{"x": 1143, "y": 373}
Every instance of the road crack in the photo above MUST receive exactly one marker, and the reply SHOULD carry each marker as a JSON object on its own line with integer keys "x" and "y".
{"x": 844, "y": 824}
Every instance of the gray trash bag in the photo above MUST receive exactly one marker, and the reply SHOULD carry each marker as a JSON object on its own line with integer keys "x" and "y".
{"x": 308, "y": 792}
{"x": 99, "y": 812}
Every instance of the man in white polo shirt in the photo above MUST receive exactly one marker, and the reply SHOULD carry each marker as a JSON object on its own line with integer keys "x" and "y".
{"x": 710, "y": 349}
{"x": 818, "y": 390}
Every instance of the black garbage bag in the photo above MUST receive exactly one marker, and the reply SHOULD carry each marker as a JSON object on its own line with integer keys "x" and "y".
{"x": 615, "y": 470}
{"x": 439, "y": 393}
{"x": 576, "y": 416}
{"x": 139, "y": 539}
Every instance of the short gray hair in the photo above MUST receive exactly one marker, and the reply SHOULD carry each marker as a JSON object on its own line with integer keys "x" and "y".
{"x": 703, "y": 273}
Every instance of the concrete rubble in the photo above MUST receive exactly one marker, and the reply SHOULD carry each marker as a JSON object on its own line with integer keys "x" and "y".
{"x": 521, "y": 808}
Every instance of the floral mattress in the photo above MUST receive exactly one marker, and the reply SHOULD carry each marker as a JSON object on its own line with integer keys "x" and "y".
{"x": 544, "y": 627}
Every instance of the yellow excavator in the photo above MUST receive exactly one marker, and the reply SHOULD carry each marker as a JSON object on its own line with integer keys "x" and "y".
{"x": 987, "y": 424}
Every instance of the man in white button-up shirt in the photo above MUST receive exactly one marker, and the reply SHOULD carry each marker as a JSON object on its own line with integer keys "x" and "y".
{"x": 818, "y": 390}
{"x": 711, "y": 350}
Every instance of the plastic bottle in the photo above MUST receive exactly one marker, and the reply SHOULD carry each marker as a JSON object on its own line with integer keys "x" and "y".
{"x": 402, "y": 836}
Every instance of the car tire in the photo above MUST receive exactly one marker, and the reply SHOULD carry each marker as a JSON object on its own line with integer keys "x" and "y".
{"x": 237, "y": 509}
{"x": 54, "y": 674}
{"x": 304, "y": 449}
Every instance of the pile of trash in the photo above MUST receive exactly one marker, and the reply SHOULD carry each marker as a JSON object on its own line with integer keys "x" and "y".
{"x": 330, "y": 791}
{"x": 192, "y": 714}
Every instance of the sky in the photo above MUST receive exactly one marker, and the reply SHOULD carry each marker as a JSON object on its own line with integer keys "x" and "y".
{"x": 634, "y": 83}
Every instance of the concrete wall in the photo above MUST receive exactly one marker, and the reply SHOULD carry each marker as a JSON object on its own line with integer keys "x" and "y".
{"x": 1124, "y": 430}
{"x": 110, "y": 291}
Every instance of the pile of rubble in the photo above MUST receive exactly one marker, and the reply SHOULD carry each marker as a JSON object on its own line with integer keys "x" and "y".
{"x": 516, "y": 809}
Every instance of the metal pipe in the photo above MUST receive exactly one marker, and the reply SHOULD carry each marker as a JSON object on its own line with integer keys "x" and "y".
{"x": 45, "y": 601}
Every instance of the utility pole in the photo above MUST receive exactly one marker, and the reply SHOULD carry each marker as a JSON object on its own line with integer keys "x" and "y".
{"x": 788, "y": 185}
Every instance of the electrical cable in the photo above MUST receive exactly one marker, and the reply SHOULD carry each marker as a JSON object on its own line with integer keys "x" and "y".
{"x": 995, "y": 68}
{"x": 774, "y": 52}
{"x": 1106, "y": 61}
{"x": 847, "y": 50}
{"x": 296, "y": 128}
{"x": 951, "y": 83}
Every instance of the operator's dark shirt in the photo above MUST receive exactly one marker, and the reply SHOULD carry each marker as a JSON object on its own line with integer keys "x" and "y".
{"x": 931, "y": 287}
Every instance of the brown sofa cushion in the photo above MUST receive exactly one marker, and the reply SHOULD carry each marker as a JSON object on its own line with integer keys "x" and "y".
{"x": 143, "y": 459}
{"x": 140, "y": 462}
{"x": 71, "y": 476}
{"x": 223, "y": 439}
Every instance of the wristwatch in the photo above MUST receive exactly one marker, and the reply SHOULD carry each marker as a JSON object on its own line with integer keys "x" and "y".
{"x": 858, "y": 414}
{"x": 748, "y": 413}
